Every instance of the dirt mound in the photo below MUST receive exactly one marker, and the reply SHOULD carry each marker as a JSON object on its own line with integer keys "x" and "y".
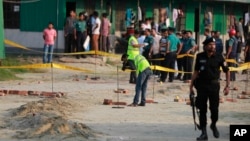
{"x": 47, "y": 117}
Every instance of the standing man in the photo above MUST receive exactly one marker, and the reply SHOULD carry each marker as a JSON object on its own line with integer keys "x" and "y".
{"x": 154, "y": 52}
{"x": 206, "y": 76}
{"x": 132, "y": 51}
{"x": 173, "y": 48}
{"x": 240, "y": 29}
{"x": 69, "y": 32}
{"x": 149, "y": 40}
{"x": 163, "y": 49}
{"x": 49, "y": 36}
{"x": 105, "y": 28}
{"x": 143, "y": 71}
{"x": 80, "y": 33}
{"x": 231, "y": 50}
{"x": 218, "y": 42}
{"x": 95, "y": 31}
{"x": 189, "y": 48}
{"x": 207, "y": 34}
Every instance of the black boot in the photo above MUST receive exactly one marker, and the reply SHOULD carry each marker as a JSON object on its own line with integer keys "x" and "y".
{"x": 203, "y": 136}
{"x": 215, "y": 131}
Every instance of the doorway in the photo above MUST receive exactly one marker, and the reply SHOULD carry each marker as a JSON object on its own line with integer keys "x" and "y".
{"x": 70, "y": 6}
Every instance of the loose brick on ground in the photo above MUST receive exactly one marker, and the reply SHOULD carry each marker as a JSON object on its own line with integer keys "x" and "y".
{"x": 2, "y": 94}
{"x": 107, "y": 102}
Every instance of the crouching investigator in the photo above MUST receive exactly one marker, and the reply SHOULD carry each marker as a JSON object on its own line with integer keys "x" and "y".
{"x": 143, "y": 72}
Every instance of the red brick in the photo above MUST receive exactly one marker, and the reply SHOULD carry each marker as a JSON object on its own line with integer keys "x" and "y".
{"x": 6, "y": 91}
{"x": 231, "y": 100}
{"x": 118, "y": 91}
{"x": 13, "y": 92}
{"x": 107, "y": 102}
{"x": 48, "y": 94}
{"x": 246, "y": 93}
{"x": 2, "y": 94}
{"x": 235, "y": 88}
{"x": 149, "y": 101}
{"x": 34, "y": 93}
{"x": 58, "y": 95}
{"x": 23, "y": 93}
{"x": 221, "y": 100}
{"x": 125, "y": 91}
{"x": 242, "y": 97}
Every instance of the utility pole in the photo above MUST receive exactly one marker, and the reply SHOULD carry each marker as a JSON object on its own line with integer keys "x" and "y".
{"x": 2, "y": 48}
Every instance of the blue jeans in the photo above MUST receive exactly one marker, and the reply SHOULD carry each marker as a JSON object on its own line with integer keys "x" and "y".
{"x": 47, "y": 53}
{"x": 141, "y": 86}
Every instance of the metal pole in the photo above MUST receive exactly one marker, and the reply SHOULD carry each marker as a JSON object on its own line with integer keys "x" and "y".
{"x": 57, "y": 23}
{"x": 52, "y": 77}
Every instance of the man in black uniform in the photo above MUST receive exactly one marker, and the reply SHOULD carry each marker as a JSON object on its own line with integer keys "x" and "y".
{"x": 206, "y": 76}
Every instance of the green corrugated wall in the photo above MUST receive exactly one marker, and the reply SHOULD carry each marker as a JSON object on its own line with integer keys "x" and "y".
{"x": 2, "y": 48}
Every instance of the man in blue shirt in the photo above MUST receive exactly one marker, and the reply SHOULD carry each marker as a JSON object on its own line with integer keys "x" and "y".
{"x": 149, "y": 40}
{"x": 189, "y": 47}
{"x": 173, "y": 48}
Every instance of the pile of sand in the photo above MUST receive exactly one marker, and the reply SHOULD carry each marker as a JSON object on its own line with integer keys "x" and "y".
{"x": 47, "y": 118}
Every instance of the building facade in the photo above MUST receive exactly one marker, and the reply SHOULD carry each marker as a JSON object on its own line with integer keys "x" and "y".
{"x": 24, "y": 21}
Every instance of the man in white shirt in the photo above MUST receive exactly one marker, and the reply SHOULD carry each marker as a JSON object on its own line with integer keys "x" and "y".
{"x": 141, "y": 40}
{"x": 95, "y": 31}
{"x": 154, "y": 53}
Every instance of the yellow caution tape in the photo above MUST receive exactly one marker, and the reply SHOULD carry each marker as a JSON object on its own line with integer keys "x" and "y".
{"x": 48, "y": 65}
{"x": 183, "y": 55}
{"x": 60, "y": 66}
{"x": 231, "y": 61}
{"x": 33, "y": 66}
{"x": 13, "y": 44}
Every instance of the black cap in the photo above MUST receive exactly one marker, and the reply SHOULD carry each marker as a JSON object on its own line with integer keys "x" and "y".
{"x": 208, "y": 40}
{"x": 124, "y": 56}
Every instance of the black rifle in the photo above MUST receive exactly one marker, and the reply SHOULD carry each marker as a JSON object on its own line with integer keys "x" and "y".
{"x": 192, "y": 103}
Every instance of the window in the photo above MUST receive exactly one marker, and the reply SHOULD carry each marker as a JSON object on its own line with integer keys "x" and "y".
{"x": 11, "y": 13}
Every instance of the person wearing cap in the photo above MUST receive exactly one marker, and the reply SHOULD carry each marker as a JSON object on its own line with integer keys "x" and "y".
{"x": 173, "y": 48}
{"x": 132, "y": 51}
{"x": 205, "y": 78}
{"x": 143, "y": 72}
{"x": 231, "y": 51}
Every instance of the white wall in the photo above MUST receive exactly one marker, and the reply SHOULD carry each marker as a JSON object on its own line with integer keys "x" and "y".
{"x": 31, "y": 39}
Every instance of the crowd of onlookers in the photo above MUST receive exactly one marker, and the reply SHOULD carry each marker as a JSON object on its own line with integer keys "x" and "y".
{"x": 169, "y": 48}
{"x": 77, "y": 29}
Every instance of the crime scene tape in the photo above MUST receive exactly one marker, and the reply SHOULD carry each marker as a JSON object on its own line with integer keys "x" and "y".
{"x": 231, "y": 61}
{"x": 178, "y": 56}
{"x": 48, "y": 65}
{"x": 183, "y": 55}
{"x": 16, "y": 45}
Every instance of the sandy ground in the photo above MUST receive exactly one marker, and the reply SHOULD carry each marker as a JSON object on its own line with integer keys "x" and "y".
{"x": 80, "y": 115}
